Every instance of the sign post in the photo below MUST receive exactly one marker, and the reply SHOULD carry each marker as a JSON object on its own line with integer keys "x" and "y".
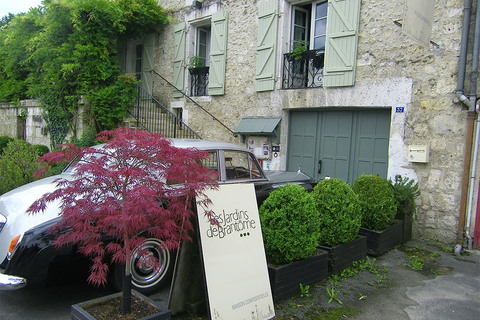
{"x": 233, "y": 255}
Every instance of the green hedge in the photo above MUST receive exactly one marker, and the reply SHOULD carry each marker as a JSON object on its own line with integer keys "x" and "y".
{"x": 377, "y": 202}
{"x": 17, "y": 165}
{"x": 4, "y": 140}
{"x": 339, "y": 211}
{"x": 290, "y": 225}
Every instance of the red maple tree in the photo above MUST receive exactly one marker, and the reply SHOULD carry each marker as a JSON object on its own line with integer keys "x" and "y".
{"x": 137, "y": 184}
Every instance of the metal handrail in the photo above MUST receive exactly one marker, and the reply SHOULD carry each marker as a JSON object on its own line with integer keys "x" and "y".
{"x": 152, "y": 116}
{"x": 194, "y": 102}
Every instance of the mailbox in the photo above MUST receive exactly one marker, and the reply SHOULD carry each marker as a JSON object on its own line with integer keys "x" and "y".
{"x": 419, "y": 153}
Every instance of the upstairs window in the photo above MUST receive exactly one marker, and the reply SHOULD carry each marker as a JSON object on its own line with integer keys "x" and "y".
{"x": 303, "y": 65}
{"x": 200, "y": 62}
{"x": 323, "y": 44}
{"x": 210, "y": 47}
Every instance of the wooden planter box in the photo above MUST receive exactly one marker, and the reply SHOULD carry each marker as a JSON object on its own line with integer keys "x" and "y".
{"x": 379, "y": 242}
{"x": 342, "y": 256}
{"x": 78, "y": 313}
{"x": 407, "y": 220}
{"x": 285, "y": 280}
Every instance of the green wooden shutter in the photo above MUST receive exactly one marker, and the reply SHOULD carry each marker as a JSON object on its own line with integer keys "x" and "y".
{"x": 341, "y": 47}
{"x": 218, "y": 54}
{"x": 266, "y": 45}
{"x": 148, "y": 62}
{"x": 179, "y": 59}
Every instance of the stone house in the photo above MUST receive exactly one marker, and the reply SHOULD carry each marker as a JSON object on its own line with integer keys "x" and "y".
{"x": 337, "y": 87}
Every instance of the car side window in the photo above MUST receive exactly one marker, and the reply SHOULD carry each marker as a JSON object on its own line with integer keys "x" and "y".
{"x": 241, "y": 165}
{"x": 212, "y": 161}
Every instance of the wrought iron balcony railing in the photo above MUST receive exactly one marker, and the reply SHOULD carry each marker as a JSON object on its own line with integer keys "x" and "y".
{"x": 304, "y": 71}
{"x": 199, "y": 81}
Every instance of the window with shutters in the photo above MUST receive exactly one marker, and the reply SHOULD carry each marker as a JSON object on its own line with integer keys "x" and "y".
{"x": 205, "y": 60}
{"x": 200, "y": 62}
{"x": 303, "y": 64}
{"x": 323, "y": 44}
{"x": 136, "y": 56}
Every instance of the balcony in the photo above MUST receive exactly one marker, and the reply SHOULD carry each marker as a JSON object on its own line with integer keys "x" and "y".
{"x": 199, "y": 81}
{"x": 304, "y": 70}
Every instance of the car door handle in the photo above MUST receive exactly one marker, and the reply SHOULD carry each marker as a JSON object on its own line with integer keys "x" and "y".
{"x": 319, "y": 166}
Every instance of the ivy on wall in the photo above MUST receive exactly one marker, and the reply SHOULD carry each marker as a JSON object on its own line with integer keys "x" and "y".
{"x": 66, "y": 50}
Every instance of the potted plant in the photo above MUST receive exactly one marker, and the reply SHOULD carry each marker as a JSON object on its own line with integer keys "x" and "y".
{"x": 297, "y": 53}
{"x": 136, "y": 186}
{"x": 196, "y": 66}
{"x": 340, "y": 218}
{"x": 405, "y": 191}
{"x": 290, "y": 228}
{"x": 378, "y": 208}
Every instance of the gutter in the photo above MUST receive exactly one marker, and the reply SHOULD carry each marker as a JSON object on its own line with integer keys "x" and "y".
{"x": 472, "y": 138}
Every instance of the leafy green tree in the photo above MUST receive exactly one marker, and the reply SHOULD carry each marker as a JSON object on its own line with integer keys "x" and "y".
{"x": 66, "y": 51}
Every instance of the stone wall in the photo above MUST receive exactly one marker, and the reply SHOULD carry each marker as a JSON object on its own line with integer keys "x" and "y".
{"x": 25, "y": 121}
{"x": 392, "y": 71}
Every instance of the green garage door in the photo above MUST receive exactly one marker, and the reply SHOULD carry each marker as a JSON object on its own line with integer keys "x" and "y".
{"x": 339, "y": 144}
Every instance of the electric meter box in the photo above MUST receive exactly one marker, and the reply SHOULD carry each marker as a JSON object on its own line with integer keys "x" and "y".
{"x": 419, "y": 153}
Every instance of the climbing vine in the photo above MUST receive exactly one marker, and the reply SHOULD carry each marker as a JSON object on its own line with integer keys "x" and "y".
{"x": 65, "y": 53}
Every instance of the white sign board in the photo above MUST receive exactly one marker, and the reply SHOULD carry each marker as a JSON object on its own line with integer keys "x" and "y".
{"x": 234, "y": 257}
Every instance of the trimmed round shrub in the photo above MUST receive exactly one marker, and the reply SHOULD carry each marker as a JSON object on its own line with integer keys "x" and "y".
{"x": 377, "y": 202}
{"x": 290, "y": 225}
{"x": 4, "y": 140}
{"x": 339, "y": 210}
{"x": 40, "y": 149}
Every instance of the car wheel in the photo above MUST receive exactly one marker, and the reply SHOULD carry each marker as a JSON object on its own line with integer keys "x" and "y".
{"x": 147, "y": 277}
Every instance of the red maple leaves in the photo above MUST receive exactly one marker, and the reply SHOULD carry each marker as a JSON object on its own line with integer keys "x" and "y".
{"x": 137, "y": 184}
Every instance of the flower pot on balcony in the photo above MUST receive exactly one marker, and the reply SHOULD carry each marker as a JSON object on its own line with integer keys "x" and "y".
{"x": 285, "y": 280}
{"x": 343, "y": 255}
{"x": 198, "y": 71}
{"x": 144, "y": 307}
{"x": 379, "y": 242}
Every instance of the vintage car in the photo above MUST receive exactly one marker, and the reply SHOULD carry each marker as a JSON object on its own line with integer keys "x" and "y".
{"x": 26, "y": 251}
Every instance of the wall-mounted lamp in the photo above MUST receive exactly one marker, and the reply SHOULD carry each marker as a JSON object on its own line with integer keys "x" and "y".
{"x": 197, "y": 4}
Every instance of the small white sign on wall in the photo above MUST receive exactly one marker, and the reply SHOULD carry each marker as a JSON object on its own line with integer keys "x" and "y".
{"x": 234, "y": 260}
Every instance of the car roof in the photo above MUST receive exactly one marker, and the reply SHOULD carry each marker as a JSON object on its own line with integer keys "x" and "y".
{"x": 205, "y": 144}
{"x": 197, "y": 144}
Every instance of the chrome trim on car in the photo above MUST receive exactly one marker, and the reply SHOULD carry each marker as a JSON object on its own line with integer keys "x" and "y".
{"x": 3, "y": 221}
{"x": 11, "y": 282}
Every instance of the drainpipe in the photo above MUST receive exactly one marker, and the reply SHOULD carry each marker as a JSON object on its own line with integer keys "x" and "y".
{"x": 462, "y": 62}
{"x": 473, "y": 99}
{"x": 473, "y": 173}
{"x": 471, "y": 116}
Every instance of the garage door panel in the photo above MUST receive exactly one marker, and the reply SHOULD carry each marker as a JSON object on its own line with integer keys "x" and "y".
{"x": 347, "y": 143}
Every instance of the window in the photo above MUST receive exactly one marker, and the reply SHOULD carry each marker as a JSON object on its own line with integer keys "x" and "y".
{"x": 210, "y": 45}
{"x": 241, "y": 165}
{"x": 199, "y": 64}
{"x": 212, "y": 161}
{"x": 303, "y": 65}
{"x": 323, "y": 44}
